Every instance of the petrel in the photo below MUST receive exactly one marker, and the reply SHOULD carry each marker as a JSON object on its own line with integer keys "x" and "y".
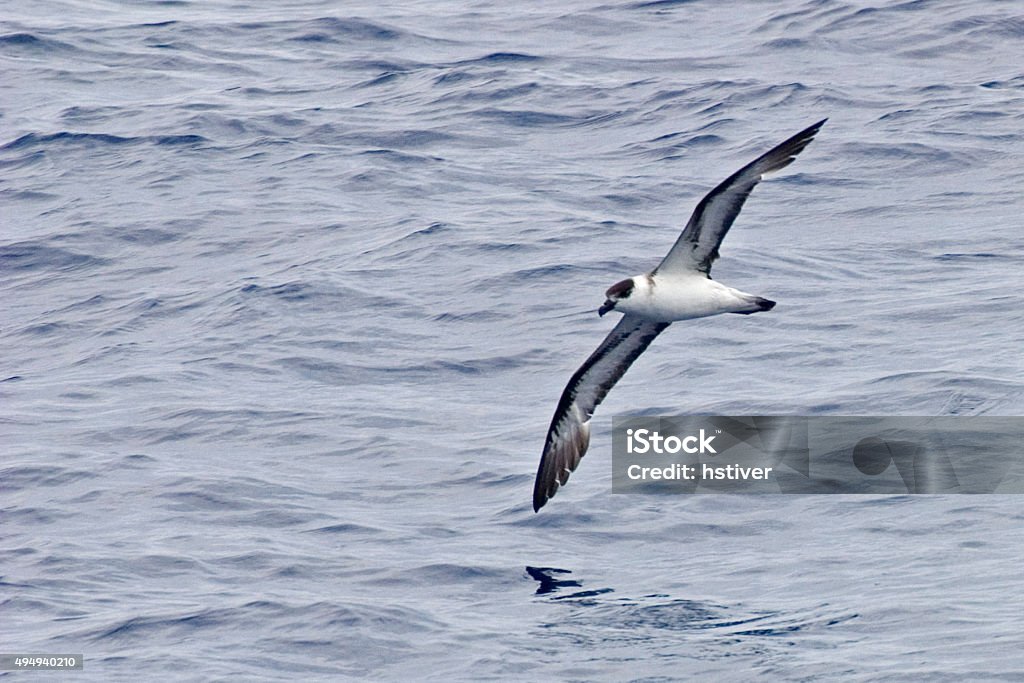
{"x": 678, "y": 289}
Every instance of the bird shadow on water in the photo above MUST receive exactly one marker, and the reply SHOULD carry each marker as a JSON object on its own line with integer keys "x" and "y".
{"x": 548, "y": 583}
{"x": 598, "y": 611}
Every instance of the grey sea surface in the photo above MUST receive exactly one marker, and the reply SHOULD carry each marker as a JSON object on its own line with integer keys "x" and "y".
{"x": 290, "y": 292}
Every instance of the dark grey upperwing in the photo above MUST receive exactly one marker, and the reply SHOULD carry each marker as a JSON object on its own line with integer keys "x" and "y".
{"x": 697, "y": 246}
{"x": 569, "y": 433}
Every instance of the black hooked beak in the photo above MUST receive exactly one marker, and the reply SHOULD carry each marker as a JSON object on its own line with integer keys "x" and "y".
{"x": 606, "y": 306}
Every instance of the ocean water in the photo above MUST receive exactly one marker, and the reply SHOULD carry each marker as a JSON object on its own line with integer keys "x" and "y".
{"x": 290, "y": 291}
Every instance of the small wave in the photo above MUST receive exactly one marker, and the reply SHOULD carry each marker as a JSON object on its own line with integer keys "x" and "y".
{"x": 481, "y": 316}
{"x": 399, "y": 157}
{"x": 1017, "y": 82}
{"x": 786, "y": 44}
{"x": 526, "y": 118}
{"x": 148, "y": 627}
{"x": 289, "y": 291}
{"x": 34, "y": 477}
{"x": 344, "y": 529}
{"x": 100, "y": 139}
{"x": 31, "y": 139}
{"x": 333, "y": 29}
{"x": 37, "y": 256}
{"x": 668, "y": 146}
{"x": 660, "y": 4}
{"x": 30, "y": 42}
{"x": 449, "y": 573}
{"x": 972, "y": 257}
{"x": 26, "y": 195}
{"x": 502, "y": 58}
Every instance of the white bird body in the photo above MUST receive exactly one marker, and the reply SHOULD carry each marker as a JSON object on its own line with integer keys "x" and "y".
{"x": 670, "y": 298}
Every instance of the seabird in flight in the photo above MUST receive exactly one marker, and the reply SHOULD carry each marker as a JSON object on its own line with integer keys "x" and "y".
{"x": 678, "y": 289}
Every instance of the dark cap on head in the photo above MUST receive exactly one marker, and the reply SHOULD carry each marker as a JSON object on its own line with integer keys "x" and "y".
{"x": 620, "y": 290}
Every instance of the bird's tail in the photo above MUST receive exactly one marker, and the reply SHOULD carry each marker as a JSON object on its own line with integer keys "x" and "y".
{"x": 757, "y": 304}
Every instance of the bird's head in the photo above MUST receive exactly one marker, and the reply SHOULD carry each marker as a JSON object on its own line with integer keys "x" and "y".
{"x": 616, "y": 293}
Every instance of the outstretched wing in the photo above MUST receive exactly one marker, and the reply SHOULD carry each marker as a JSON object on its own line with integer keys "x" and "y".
{"x": 569, "y": 433}
{"x": 697, "y": 246}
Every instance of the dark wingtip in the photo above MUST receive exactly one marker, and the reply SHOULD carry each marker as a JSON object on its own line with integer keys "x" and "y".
{"x": 801, "y": 139}
{"x": 784, "y": 153}
{"x": 540, "y": 497}
{"x": 540, "y": 493}
{"x": 812, "y": 130}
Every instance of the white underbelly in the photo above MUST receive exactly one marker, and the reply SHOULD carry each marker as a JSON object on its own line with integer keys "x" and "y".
{"x": 689, "y": 298}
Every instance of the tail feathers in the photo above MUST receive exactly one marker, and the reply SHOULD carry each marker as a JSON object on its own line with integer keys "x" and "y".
{"x": 758, "y": 304}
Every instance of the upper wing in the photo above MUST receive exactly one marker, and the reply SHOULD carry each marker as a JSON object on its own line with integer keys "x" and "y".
{"x": 569, "y": 433}
{"x": 697, "y": 246}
